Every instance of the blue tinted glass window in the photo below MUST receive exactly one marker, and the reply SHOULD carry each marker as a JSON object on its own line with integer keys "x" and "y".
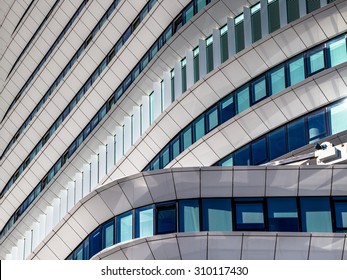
{"x": 125, "y": 227}
{"x": 338, "y": 112}
{"x": 199, "y": 127}
{"x": 277, "y": 80}
{"x": 296, "y": 134}
{"x": 282, "y": 214}
{"x": 228, "y": 161}
{"x": 315, "y": 214}
{"x": 189, "y": 216}
{"x": 241, "y": 157}
{"x": 212, "y": 118}
{"x": 341, "y": 215}
{"x": 95, "y": 242}
{"x": 175, "y": 147}
{"x": 144, "y": 221}
{"x": 259, "y": 152}
{"x": 249, "y": 215}
{"x": 259, "y": 89}
{"x": 316, "y": 61}
{"x": 216, "y": 215}
{"x": 296, "y": 70}
{"x": 108, "y": 234}
{"x": 166, "y": 156}
{"x": 227, "y": 108}
{"x": 200, "y": 4}
{"x": 188, "y": 13}
{"x": 337, "y": 52}
{"x": 242, "y": 97}
{"x": 156, "y": 163}
{"x": 78, "y": 255}
{"x": 277, "y": 143}
{"x": 166, "y": 218}
{"x": 316, "y": 126}
{"x": 187, "y": 138}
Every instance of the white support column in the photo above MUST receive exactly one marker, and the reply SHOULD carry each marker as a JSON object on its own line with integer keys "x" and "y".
{"x": 70, "y": 195}
{"x": 86, "y": 179}
{"x": 56, "y": 211}
{"x": 137, "y": 123}
{"x": 49, "y": 219}
{"x": 302, "y": 8}
{"x": 79, "y": 187}
{"x": 323, "y": 3}
{"x": 216, "y": 48}
{"x": 36, "y": 235}
{"x": 167, "y": 89}
{"x": 14, "y": 253}
{"x": 94, "y": 174}
{"x": 27, "y": 243}
{"x": 283, "y": 12}
{"x": 127, "y": 133}
{"x": 264, "y": 18}
{"x": 157, "y": 100}
{"x": 20, "y": 246}
{"x": 145, "y": 113}
{"x": 189, "y": 68}
{"x": 102, "y": 161}
{"x": 42, "y": 229}
{"x": 119, "y": 143}
{"x": 178, "y": 79}
{"x": 202, "y": 59}
{"x": 110, "y": 152}
{"x": 63, "y": 203}
{"x": 231, "y": 37}
{"x": 247, "y": 26}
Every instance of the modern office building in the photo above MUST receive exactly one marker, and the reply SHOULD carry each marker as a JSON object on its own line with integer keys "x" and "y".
{"x": 161, "y": 129}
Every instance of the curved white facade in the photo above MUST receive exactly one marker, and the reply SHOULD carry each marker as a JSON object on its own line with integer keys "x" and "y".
{"x": 96, "y": 91}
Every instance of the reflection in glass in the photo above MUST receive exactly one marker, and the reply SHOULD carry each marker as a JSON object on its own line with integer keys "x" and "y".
{"x": 189, "y": 216}
{"x": 282, "y": 214}
{"x": 216, "y": 214}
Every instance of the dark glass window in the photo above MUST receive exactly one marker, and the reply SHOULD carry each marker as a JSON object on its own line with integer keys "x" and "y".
{"x": 296, "y": 134}
{"x": 283, "y": 214}
{"x": 95, "y": 242}
{"x": 249, "y": 215}
{"x": 315, "y": 214}
{"x": 189, "y": 218}
{"x": 224, "y": 45}
{"x": 184, "y": 78}
{"x": 216, "y": 214}
{"x": 209, "y": 55}
{"x": 239, "y": 36}
{"x": 108, "y": 234}
{"x": 340, "y": 209}
{"x": 316, "y": 126}
{"x": 293, "y": 11}
{"x": 274, "y": 16}
{"x": 166, "y": 218}
{"x": 312, "y": 5}
{"x": 256, "y": 25}
{"x": 259, "y": 152}
{"x": 277, "y": 143}
{"x": 227, "y": 108}
{"x": 241, "y": 156}
{"x": 196, "y": 67}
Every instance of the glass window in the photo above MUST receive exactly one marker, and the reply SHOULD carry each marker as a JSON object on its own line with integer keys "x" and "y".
{"x": 274, "y": 16}
{"x": 316, "y": 62}
{"x": 187, "y": 137}
{"x": 338, "y": 112}
{"x": 228, "y": 161}
{"x": 196, "y": 67}
{"x": 108, "y": 234}
{"x": 296, "y": 70}
{"x": 95, "y": 242}
{"x": 188, "y": 13}
{"x": 259, "y": 89}
{"x": 227, "y": 108}
{"x": 184, "y": 78}
{"x": 293, "y": 11}
{"x": 249, "y": 215}
{"x": 277, "y": 143}
{"x": 125, "y": 227}
{"x": 200, "y": 4}
{"x": 199, "y": 128}
{"x": 166, "y": 218}
{"x": 337, "y": 51}
{"x": 212, "y": 118}
{"x": 175, "y": 146}
{"x": 312, "y": 5}
{"x": 277, "y": 80}
{"x": 242, "y": 97}
{"x": 316, "y": 126}
{"x": 341, "y": 214}
{"x": 144, "y": 221}
{"x": 224, "y": 47}
{"x": 78, "y": 255}
{"x": 151, "y": 108}
{"x": 166, "y": 156}
{"x": 156, "y": 163}
{"x": 216, "y": 214}
{"x": 296, "y": 134}
{"x": 256, "y": 26}
{"x": 259, "y": 152}
{"x": 241, "y": 157}
{"x": 189, "y": 215}
{"x": 209, "y": 57}
{"x": 283, "y": 214}
{"x": 239, "y": 36}
{"x": 315, "y": 214}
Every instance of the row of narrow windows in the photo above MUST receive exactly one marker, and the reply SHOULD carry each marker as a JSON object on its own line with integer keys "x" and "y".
{"x": 274, "y": 214}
